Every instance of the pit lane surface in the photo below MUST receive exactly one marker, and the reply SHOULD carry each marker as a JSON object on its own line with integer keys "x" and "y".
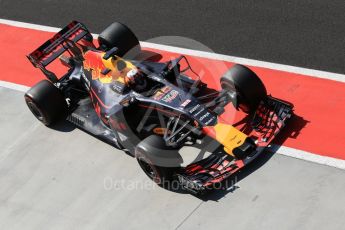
{"x": 66, "y": 179}
{"x": 44, "y": 185}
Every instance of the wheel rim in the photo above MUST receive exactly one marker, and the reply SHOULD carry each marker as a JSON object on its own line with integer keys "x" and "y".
{"x": 34, "y": 109}
{"x": 243, "y": 105}
{"x": 228, "y": 86}
{"x": 148, "y": 169}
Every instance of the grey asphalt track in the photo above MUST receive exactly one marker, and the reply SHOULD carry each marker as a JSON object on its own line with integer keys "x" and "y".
{"x": 301, "y": 33}
{"x": 63, "y": 178}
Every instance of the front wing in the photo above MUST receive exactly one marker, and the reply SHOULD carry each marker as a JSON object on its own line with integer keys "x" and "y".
{"x": 269, "y": 119}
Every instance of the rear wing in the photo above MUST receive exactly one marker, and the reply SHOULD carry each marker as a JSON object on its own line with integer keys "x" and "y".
{"x": 54, "y": 47}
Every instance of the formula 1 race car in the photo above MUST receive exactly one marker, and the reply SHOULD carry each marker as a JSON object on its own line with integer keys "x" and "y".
{"x": 151, "y": 110}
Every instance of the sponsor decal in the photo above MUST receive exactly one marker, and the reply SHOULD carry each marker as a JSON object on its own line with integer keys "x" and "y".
{"x": 170, "y": 96}
{"x": 204, "y": 116}
{"x": 210, "y": 120}
{"x": 158, "y": 95}
{"x": 118, "y": 87}
{"x": 160, "y": 130}
{"x": 161, "y": 92}
{"x": 194, "y": 108}
{"x": 185, "y": 103}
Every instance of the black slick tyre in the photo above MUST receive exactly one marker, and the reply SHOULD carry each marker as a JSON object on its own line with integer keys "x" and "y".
{"x": 46, "y": 102}
{"x": 246, "y": 85}
{"x": 158, "y": 161}
{"x": 120, "y": 36}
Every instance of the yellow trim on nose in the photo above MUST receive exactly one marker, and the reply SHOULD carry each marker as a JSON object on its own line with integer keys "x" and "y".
{"x": 229, "y": 137}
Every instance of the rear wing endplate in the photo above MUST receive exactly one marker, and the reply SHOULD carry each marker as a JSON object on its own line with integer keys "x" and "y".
{"x": 55, "y": 46}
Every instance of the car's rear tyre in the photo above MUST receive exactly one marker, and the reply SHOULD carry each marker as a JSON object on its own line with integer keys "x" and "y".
{"x": 46, "y": 102}
{"x": 120, "y": 36}
{"x": 244, "y": 83}
{"x": 158, "y": 161}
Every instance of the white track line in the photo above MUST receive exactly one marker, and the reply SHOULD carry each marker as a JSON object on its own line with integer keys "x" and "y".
{"x": 251, "y": 62}
{"x": 283, "y": 150}
{"x": 17, "y": 87}
{"x": 29, "y": 25}
{"x": 222, "y": 57}
{"x": 308, "y": 156}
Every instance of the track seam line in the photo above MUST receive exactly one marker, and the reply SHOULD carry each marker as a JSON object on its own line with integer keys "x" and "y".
{"x": 189, "y": 215}
{"x": 222, "y": 57}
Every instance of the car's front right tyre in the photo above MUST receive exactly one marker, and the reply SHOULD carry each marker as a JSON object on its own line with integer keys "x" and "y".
{"x": 246, "y": 85}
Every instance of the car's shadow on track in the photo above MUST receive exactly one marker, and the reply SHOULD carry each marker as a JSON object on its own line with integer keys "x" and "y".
{"x": 230, "y": 185}
{"x": 63, "y": 126}
{"x": 291, "y": 130}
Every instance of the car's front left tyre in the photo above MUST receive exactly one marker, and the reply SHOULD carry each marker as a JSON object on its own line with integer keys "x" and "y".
{"x": 158, "y": 161}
